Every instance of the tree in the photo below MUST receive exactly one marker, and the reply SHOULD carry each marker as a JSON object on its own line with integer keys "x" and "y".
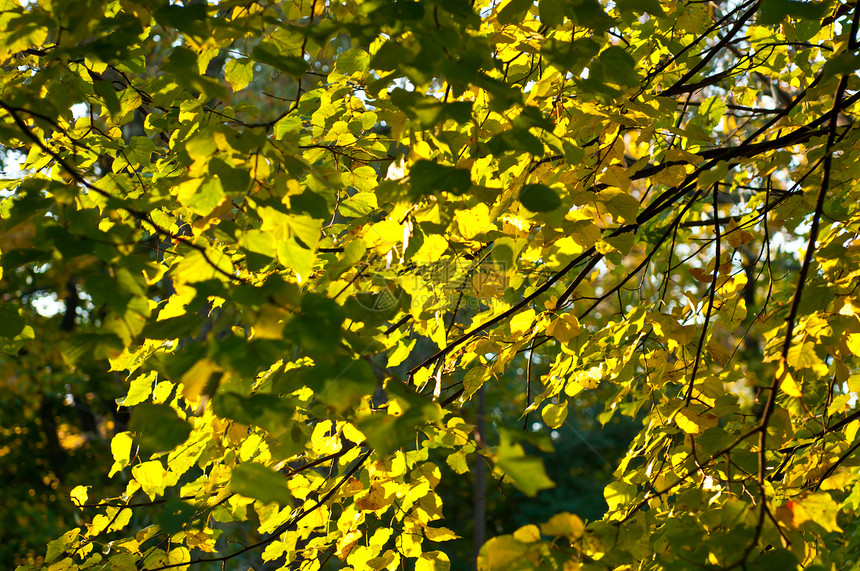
{"x": 309, "y": 238}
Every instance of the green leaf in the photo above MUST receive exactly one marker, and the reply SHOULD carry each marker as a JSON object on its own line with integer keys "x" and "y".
{"x": 386, "y": 433}
{"x": 182, "y": 17}
{"x": 11, "y": 321}
{"x": 107, "y": 92}
{"x": 526, "y": 472}
{"x": 639, "y": 6}
{"x": 268, "y": 53}
{"x": 428, "y": 111}
{"x": 551, "y": 12}
{"x": 157, "y": 427}
{"x": 572, "y": 56}
{"x": 619, "y": 494}
{"x": 514, "y": 11}
{"x": 539, "y": 198}
{"x": 712, "y": 176}
{"x": 590, "y": 13}
{"x": 197, "y": 266}
{"x": 428, "y": 178}
{"x": 90, "y": 345}
{"x": 618, "y": 67}
{"x": 261, "y": 483}
{"x": 267, "y": 411}
{"x": 554, "y": 415}
{"x": 173, "y": 328}
{"x": 775, "y": 11}
{"x": 352, "y": 61}
{"x": 138, "y": 391}
{"x": 359, "y": 204}
{"x": 202, "y": 196}
{"x": 59, "y": 546}
{"x": 239, "y": 73}
{"x": 713, "y": 107}
{"x": 175, "y": 515}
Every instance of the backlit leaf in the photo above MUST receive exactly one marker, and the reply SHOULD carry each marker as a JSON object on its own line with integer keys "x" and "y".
{"x": 157, "y": 427}
{"x": 261, "y": 483}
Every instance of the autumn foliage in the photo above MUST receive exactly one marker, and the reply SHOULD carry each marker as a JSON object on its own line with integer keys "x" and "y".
{"x": 302, "y": 269}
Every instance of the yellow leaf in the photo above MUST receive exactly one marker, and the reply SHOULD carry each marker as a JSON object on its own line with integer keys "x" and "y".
{"x": 374, "y": 499}
{"x": 440, "y": 534}
{"x": 719, "y": 353}
{"x": 554, "y": 415}
{"x": 527, "y": 534}
{"x": 239, "y": 74}
{"x": 473, "y": 221}
{"x": 616, "y": 176}
{"x": 457, "y": 462}
{"x": 618, "y": 494}
{"x": 153, "y": 478}
{"x": 676, "y": 154}
{"x": 390, "y": 559}
{"x": 564, "y": 523}
{"x": 786, "y": 381}
{"x": 79, "y": 495}
{"x": 270, "y": 322}
{"x": 346, "y": 543}
{"x": 818, "y": 508}
{"x": 383, "y": 235}
{"x": 838, "y": 481}
{"x": 694, "y": 423}
{"x": 380, "y": 537}
{"x": 585, "y": 233}
{"x": 175, "y": 306}
{"x": 561, "y": 252}
{"x": 352, "y": 434}
{"x": 522, "y": 322}
{"x": 623, "y": 207}
{"x": 853, "y": 343}
{"x": 737, "y": 237}
{"x": 803, "y": 356}
{"x": 671, "y": 176}
{"x": 564, "y": 328}
{"x": 197, "y": 377}
{"x": 120, "y": 447}
{"x": 588, "y": 379}
{"x": 201, "y": 540}
{"x": 359, "y": 556}
{"x": 622, "y": 243}
{"x": 390, "y": 467}
{"x": 502, "y": 553}
{"x": 409, "y": 542}
{"x": 433, "y": 561}
{"x": 322, "y": 443}
{"x": 431, "y": 250}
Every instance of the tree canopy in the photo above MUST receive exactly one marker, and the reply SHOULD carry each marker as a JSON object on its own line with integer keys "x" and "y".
{"x": 308, "y": 267}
